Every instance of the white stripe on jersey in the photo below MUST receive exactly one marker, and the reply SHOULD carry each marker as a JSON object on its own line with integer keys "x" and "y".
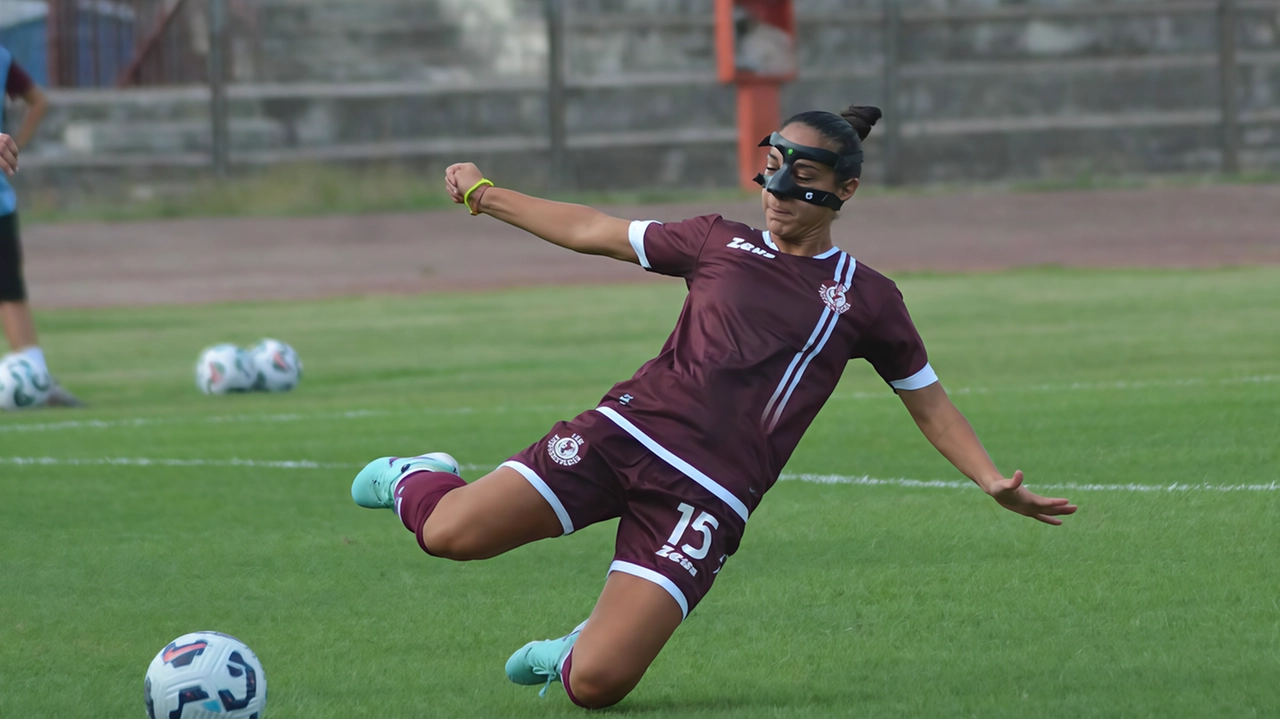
{"x": 786, "y": 376}
{"x": 670, "y": 458}
{"x": 844, "y": 276}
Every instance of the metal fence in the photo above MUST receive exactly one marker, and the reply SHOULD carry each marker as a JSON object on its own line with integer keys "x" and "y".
{"x": 564, "y": 80}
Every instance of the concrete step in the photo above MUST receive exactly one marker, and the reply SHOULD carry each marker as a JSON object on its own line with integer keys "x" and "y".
{"x": 167, "y": 137}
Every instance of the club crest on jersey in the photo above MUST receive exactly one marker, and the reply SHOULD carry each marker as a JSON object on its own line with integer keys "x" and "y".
{"x": 566, "y": 450}
{"x": 741, "y": 244}
{"x": 834, "y": 295}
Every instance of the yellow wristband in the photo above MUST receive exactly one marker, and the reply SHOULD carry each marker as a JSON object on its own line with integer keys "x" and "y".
{"x": 466, "y": 199}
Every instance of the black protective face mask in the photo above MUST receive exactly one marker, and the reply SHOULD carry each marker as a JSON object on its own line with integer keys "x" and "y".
{"x": 780, "y": 183}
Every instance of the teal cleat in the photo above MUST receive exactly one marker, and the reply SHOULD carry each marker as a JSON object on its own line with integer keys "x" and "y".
{"x": 375, "y": 486}
{"x": 539, "y": 662}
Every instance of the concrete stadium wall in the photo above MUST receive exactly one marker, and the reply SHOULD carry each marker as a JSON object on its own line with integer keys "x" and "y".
{"x": 1013, "y": 91}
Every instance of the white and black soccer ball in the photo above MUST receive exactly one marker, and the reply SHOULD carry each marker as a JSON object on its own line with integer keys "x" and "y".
{"x": 206, "y": 675}
{"x": 275, "y": 365}
{"x": 222, "y": 369}
{"x": 22, "y": 385}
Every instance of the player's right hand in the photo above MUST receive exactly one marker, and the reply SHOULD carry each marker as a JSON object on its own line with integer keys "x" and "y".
{"x": 9, "y": 155}
{"x": 459, "y": 178}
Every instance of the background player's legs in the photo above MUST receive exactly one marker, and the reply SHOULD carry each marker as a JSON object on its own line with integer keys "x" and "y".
{"x": 630, "y": 624}
{"x": 15, "y": 314}
{"x": 492, "y": 515}
{"x": 19, "y": 327}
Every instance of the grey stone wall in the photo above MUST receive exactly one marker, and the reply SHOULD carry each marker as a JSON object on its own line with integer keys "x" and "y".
{"x": 1010, "y": 95}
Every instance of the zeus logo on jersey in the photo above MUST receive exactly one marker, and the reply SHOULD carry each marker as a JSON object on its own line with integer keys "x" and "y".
{"x": 741, "y": 244}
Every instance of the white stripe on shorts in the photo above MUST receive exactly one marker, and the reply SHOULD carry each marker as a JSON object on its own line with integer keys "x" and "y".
{"x": 636, "y": 570}
{"x": 545, "y": 491}
{"x": 670, "y": 458}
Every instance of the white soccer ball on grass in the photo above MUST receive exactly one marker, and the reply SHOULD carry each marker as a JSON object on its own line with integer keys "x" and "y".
{"x": 22, "y": 386}
{"x": 275, "y": 365}
{"x": 222, "y": 369}
{"x": 206, "y": 675}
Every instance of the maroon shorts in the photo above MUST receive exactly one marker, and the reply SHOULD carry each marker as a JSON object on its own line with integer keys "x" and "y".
{"x": 671, "y": 531}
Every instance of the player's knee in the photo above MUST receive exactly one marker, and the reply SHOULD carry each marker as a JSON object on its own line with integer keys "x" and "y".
{"x": 595, "y": 686}
{"x": 450, "y": 537}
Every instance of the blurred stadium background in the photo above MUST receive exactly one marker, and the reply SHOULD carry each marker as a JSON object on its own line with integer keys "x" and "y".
{"x": 973, "y": 90}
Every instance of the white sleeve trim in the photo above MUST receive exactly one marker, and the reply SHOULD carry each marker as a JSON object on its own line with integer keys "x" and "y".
{"x": 545, "y": 491}
{"x": 919, "y": 380}
{"x": 636, "y": 570}
{"x": 636, "y": 234}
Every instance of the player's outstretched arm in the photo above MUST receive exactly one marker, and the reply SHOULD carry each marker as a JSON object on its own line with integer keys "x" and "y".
{"x": 953, "y": 436}
{"x": 576, "y": 227}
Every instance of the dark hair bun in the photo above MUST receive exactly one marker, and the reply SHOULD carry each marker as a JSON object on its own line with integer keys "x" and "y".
{"x": 862, "y": 117}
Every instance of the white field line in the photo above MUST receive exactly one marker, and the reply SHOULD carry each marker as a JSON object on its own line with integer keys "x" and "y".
{"x": 865, "y": 481}
{"x": 536, "y": 409}
{"x": 268, "y": 418}
{"x": 858, "y": 481}
{"x": 150, "y": 462}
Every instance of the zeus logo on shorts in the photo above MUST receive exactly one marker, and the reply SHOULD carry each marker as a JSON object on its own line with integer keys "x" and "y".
{"x": 741, "y": 244}
{"x": 670, "y": 552}
{"x": 566, "y": 450}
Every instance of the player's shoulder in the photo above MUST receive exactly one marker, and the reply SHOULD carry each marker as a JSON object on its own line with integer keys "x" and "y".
{"x": 727, "y": 232}
{"x": 730, "y": 227}
{"x": 701, "y": 225}
{"x": 871, "y": 277}
{"x": 873, "y": 286}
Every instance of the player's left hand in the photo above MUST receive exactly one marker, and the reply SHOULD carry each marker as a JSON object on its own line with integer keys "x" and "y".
{"x": 1016, "y": 498}
{"x": 8, "y": 154}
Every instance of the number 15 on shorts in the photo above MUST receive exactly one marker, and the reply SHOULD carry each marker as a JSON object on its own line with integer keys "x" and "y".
{"x": 703, "y": 525}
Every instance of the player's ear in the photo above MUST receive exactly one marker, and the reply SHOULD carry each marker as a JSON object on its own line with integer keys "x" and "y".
{"x": 845, "y": 190}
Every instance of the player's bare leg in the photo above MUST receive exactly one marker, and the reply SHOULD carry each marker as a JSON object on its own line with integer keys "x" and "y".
{"x": 492, "y": 515}
{"x": 604, "y": 659}
{"x": 451, "y": 518}
{"x": 631, "y": 623}
{"x": 19, "y": 327}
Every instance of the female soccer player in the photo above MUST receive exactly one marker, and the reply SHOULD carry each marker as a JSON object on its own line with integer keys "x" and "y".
{"x": 683, "y": 452}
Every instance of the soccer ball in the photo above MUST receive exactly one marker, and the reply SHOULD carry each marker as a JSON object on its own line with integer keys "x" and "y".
{"x": 223, "y": 368}
{"x": 275, "y": 365}
{"x": 21, "y": 384}
{"x": 206, "y": 675}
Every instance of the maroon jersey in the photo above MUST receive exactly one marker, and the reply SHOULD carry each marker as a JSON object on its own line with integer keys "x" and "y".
{"x": 18, "y": 83}
{"x": 760, "y": 345}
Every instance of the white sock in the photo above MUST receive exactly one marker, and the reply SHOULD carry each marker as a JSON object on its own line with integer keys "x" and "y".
{"x": 35, "y": 355}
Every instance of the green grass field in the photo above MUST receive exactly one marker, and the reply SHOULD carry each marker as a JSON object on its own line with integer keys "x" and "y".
{"x": 845, "y": 599}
